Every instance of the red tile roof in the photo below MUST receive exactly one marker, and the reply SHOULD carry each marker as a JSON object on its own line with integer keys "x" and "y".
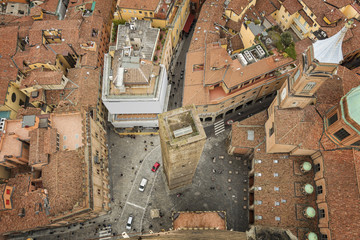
{"x": 342, "y": 193}
{"x": 292, "y": 6}
{"x": 238, "y": 6}
{"x": 139, "y": 4}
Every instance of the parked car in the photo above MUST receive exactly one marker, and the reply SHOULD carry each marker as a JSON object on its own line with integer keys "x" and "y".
{"x": 155, "y": 167}
{"x": 129, "y": 222}
{"x": 143, "y": 184}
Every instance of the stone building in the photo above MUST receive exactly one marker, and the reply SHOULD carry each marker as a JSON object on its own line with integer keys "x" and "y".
{"x": 182, "y": 140}
{"x": 305, "y": 157}
{"x": 52, "y": 173}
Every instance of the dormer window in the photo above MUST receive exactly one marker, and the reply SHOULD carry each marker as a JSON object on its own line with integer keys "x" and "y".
{"x": 357, "y": 143}
{"x": 332, "y": 119}
{"x": 341, "y": 134}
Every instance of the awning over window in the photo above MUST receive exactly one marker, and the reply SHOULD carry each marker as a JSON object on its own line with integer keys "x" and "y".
{"x": 188, "y": 23}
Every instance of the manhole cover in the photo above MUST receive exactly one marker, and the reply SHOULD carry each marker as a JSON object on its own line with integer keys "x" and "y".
{"x": 230, "y": 172}
{"x": 236, "y": 172}
{"x": 197, "y": 193}
{"x": 230, "y": 162}
{"x": 205, "y": 205}
{"x": 229, "y": 188}
{"x": 229, "y": 180}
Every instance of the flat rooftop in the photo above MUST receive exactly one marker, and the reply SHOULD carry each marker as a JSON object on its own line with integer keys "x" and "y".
{"x": 199, "y": 220}
{"x": 182, "y": 125}
{"x": 140, "y": 35}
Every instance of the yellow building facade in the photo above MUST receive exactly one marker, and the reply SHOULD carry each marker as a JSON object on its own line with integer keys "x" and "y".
{"x": 14, "y": 99}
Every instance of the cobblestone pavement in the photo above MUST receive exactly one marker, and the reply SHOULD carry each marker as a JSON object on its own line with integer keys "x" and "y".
{"x": 218, "y": 184}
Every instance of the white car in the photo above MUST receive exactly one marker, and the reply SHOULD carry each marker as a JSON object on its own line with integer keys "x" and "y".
{"x": 143, "y": 184}
{"x": 129, "y": 222}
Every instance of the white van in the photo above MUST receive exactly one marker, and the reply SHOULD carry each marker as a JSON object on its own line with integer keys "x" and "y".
{"x": 129, "y": 222}
{"x": 143, "y": 184}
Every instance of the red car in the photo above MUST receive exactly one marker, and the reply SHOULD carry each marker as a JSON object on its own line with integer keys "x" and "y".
{"x": 155, "y": 167}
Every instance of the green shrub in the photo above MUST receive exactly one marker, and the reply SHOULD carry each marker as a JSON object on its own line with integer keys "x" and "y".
{"x": 280, "y": 46}
{"x": 163, "y": 41}
{"x": 248, "y": 22}
{"x": 291, "y": 51}
{"x": 155, "y": 58}
{"x": 161, "y": 36}
{"x": 271, "y": 52}
{"x": 286, "y": 39}
{"x": 257, "y": 21}
{"x": 158, "y": 47}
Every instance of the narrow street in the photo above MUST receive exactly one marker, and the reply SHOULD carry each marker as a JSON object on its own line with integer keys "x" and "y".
{"x": 177, "y": 71}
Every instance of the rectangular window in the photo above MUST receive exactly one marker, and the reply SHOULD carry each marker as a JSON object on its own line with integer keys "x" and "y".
{"x": 357, "y": 143}
{"x": 341, "y": 134}
{"x": 129, "y": 11}
{"x": 134, "y": 11}
{"x": 317, "y": 168}
{"x": 124, "y": 10}
{"x": 332, "y": 119}
{"x": 319, "y": 189}
{"x": 140, "y": 12}
{"x": 321, "y": 213}
{"x": 308, "y": 87}
{"x": 271, "y": 131}
{"x": 323, "y": 237}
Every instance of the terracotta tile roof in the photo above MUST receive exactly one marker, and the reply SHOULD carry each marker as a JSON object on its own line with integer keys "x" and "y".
{"x": 289, "y": 198}
{"x": 35, "y": 54}
{"x": 64, "y": 178}
{"x": 42, "y": 143}
{"x": 306, "y": 17}
{"x": 292, "y": 6}
{"x": 8, "y": 72}
{"x": 342, "y": 192}
{"x": 236, "y": 42}
{"x": 238, "y": 6}
{"x": 73, "y": 32}
{"x": 205, "y": 29}
{"x": 301, "y": 46}
{"x": 20, "y": 200}
{"x": 319, "y": 8}
{"x": 139, "y": 4}
{"x": 233, "y": 25}
{"x": 207, "y": 220}
{"x": 341, "y": 3}
{"x": 10, "y": 143}
{"x": 102, "y": 10}
{"x": 88, "y": 80}
{"x": 42, "y": 77}
{"x": 231, "y": 72}
{"x": 267, "y": 7}
{"x": 296, "y": 121}
{"x": 334, "y": 15}
{"x": 239, "y": 131}
{"x": 8, "y": 41}
{"x": 28, "y": 111}
{"x": 82, "y": 90}
{"x": 292, "y": 126}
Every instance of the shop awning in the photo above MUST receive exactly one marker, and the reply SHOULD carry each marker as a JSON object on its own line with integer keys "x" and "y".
{"x": 188, "y": 23}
